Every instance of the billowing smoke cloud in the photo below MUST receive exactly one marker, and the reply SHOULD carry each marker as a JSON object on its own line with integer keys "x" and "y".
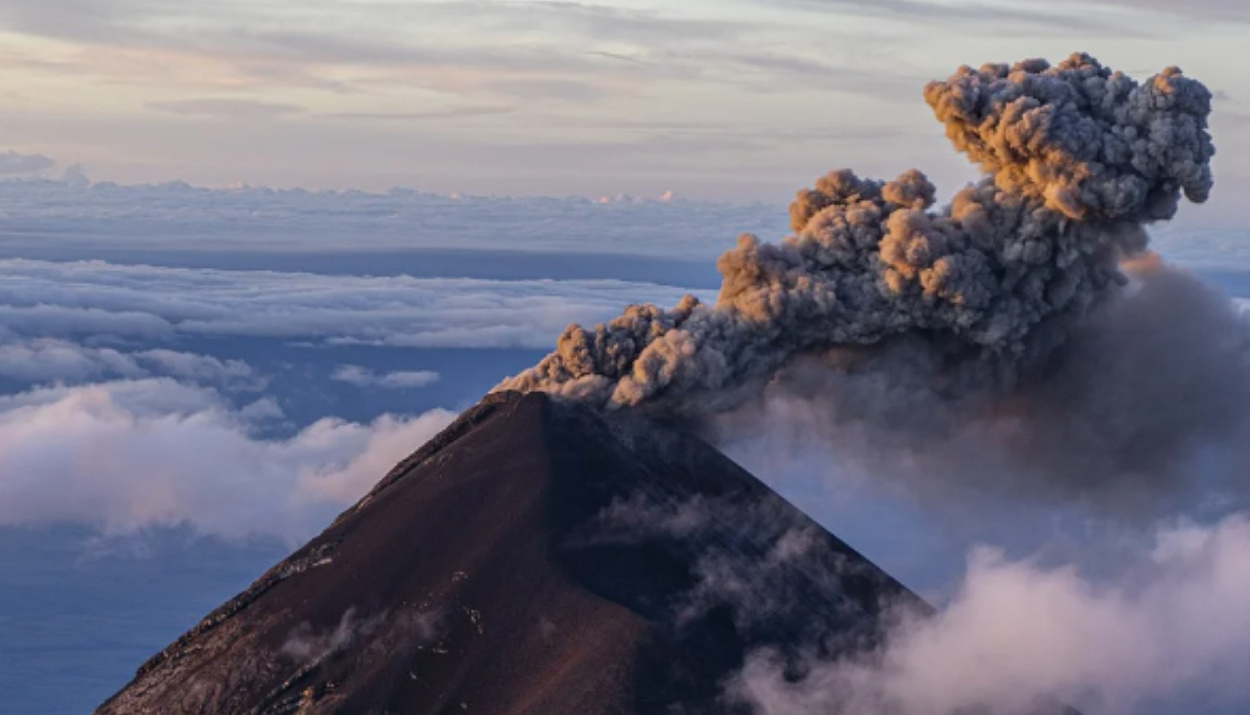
{"x": 1143, "y": 413}
{"x": 1079, "y": 159}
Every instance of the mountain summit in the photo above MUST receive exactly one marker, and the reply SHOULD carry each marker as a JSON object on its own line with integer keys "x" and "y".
{"x": 538, "y": 558}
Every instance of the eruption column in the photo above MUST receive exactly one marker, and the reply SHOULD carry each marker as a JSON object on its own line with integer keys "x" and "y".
{"x": 1078, "y": 159}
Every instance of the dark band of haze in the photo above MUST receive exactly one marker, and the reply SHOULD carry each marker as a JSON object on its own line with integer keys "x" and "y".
{"x": 1078, "y": 159}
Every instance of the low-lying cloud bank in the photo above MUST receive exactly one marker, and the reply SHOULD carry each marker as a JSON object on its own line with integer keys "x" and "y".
{"x": 92, "y": 298}
{"x": 131, "y": 454}
{"x": 174, "y": 214}
{"x": 1168, "y": 633}
{"x": 47, "y": 360}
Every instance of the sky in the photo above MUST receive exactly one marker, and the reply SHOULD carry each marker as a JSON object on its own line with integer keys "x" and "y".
{"x": 727, "y": 100}
{"x": 195, "y": 377}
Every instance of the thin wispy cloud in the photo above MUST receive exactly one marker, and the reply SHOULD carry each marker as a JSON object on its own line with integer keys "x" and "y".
{"x": 1011, "y": 16}
{"x": 400, "y": 116}
{"x": 516, "y": 70}
{"x": 1193, "y": 10}
{"x": 241, "y": 109}
{"x": 529, "y": 91}
{"x": 363, "y": 377}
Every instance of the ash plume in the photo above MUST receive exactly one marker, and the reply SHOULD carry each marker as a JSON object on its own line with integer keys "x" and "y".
{"x": 1143, "y": 412}
{"x": 1079, "y": 159}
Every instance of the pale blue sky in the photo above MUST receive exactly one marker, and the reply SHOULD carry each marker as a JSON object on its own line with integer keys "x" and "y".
{"x": 733, "y": 99}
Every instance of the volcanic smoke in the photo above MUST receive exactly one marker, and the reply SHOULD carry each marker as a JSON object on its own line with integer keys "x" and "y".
{"x": 1078, "y": 160}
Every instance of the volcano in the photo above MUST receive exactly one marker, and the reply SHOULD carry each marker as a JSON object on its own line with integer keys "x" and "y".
{"x": 536, "y": 558}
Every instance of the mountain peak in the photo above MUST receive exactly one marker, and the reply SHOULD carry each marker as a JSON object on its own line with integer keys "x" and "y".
{"x": 537, "y": 557}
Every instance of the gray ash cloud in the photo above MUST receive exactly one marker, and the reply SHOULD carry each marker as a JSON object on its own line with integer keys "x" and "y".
{"x": 1079, "y": 159}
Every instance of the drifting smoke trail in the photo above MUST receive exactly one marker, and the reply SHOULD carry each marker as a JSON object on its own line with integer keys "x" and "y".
{"x": 1079, "y": 159}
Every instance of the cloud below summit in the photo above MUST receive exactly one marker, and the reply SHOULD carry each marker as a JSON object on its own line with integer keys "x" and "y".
{"x": 128, "y": 455}
{"x": 365, "y": 378}
{"x": 1166, "y": 634}
{"x": 97, "y": 299}
{"x": 49, "y": 360}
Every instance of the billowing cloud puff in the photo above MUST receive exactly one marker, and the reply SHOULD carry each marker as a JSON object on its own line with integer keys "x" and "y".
{"x": 1171, "y": 631}
{"x": 131, "y": 454}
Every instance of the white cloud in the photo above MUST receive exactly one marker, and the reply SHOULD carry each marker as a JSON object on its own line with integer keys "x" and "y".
{"x": 364, "y": 377}
{"x": 93, "y": 298}
{"x": 48, "y": 359}
{"x": 1173, "y": 631}
{"x": 264, "y": 410}
{"x": 201, "y": 368}
{"x": 131, "y": 454}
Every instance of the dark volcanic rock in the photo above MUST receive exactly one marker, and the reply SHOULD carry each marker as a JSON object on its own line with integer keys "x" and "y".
{"x": 536, "y": 558}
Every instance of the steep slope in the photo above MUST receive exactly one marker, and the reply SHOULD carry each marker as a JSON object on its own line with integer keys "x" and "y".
{"x": 536, "y": 558}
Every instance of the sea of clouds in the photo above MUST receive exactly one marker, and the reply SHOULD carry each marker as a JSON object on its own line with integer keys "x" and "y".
{"x": 207, "y": 368}
{"x": 194, "y": 376}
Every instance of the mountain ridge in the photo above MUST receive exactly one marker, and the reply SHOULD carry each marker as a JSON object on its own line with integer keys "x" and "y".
{"x": 536, "y": 557}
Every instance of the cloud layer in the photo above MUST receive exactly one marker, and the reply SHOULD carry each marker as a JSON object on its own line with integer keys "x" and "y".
{"x": 1169, "y": 633}
{"x": 48, "y": 360}
{"x": 177, "y": 215}
{"x": 153, "y": 452}
{"x": 147, "y": 303}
